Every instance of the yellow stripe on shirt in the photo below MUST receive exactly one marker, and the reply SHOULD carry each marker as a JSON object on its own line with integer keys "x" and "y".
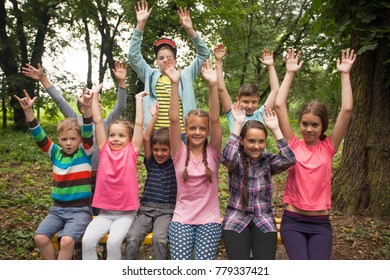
{"x": 163, "y": 94}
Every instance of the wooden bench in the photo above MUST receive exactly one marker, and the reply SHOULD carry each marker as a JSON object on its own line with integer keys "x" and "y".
{"x": 148, "y": 238}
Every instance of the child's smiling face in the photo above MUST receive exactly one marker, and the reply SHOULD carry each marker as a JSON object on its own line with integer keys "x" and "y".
{"x": 118, "y": 137}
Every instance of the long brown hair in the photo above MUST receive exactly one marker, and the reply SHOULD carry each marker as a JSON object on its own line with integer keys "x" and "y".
{"x": 244, "y": 190}
{"x": 318, "y": 109}
{"x": 201, "y": 114}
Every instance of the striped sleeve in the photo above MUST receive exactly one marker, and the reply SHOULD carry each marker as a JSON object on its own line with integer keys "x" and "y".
{"x": 87, "y": 135}
{"x": 40, "y": 137}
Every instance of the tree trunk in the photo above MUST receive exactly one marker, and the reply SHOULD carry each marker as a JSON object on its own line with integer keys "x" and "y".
{"x": 134, "y": 85}
{"x": 362, "y": 182}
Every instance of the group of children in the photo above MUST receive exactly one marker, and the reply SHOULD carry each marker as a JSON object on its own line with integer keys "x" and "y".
{"x": 180, "y": 203}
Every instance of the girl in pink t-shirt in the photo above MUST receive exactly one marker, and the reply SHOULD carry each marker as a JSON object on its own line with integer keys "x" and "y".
{"x": 116, "y": 192}
{"x": 196, "y": 222}
{"x": 306, "y": 230}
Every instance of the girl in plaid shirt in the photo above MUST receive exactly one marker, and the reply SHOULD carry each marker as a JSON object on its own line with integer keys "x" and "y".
{"x": 249, "y": 223}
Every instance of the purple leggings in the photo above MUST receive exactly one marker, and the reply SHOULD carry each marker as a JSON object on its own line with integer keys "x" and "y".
{"x": 306, "y": 237}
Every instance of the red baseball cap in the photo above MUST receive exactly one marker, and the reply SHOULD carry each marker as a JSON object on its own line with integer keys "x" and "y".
{"x": 165, "y": 42}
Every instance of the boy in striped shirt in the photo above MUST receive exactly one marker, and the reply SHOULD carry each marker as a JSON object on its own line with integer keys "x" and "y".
{"x": 71, "y": 190}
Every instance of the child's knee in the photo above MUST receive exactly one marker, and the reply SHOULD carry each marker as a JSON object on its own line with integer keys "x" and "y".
{"x": 67, "y": 242}
{"x": 41, "y": 239}
{"x": 160, "y": 239}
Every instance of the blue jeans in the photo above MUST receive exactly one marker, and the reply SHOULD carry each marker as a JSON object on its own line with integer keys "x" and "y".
{"x": 70, "y": 221}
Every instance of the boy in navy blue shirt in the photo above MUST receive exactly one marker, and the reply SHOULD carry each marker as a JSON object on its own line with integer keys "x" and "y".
{"x": 159, "y": 197}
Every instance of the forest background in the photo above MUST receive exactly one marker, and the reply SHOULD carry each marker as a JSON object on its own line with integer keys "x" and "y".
{"x": 36, "y": 30}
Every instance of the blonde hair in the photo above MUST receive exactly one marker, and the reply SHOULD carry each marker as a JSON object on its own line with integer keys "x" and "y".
{"x": 69, "y": 124}
{"x": 200, "y": 114}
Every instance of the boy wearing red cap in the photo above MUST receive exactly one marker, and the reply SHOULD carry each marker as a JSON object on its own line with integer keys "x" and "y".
{"x": 157, "y": 84}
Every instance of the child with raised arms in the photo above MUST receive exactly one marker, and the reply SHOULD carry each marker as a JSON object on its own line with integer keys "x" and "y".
{"x": 71, "y": 191}
{"x": 196, "y": 223}
{"x": 306, "y": 229}
{"x": 116, "y": 191}
{"x": 159, "y": 197}
{"x": 249, "y": 222}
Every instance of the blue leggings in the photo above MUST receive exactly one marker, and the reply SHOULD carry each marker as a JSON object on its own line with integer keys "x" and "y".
{"x": 306, "y": 237}
{"x": 184, "y": 239}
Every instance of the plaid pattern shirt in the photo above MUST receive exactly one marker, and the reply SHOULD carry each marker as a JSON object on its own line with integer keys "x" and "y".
{"x": 259, "y": 186}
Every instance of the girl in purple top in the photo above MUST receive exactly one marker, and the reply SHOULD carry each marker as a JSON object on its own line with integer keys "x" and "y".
{"x": 305, "y": 229}
{"x": 249, "y": 223}
{"x": 196, "y": 223}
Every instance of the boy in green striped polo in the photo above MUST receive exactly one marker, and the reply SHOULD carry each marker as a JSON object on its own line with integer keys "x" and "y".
{"x": 71, "y": 190}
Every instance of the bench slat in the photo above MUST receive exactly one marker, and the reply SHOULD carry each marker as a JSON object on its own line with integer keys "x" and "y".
{"x": 148, "y": 238}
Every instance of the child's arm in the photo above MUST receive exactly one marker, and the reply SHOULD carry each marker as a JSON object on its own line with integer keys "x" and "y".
{"x": 100, "y": 132}
{"x": 285, "y": 158}
{"x": 149, "y": 129}
{"x": 215, "y": 131}
{"x": 272, "y": 123}
{"x": 340, "y": 129}
{"x": 38, "y": 75}
{"x": 136, "y": 60}
{"x": 27, "y": 105}
{"x": 292, "y": 66}
{"x": 186, "y": 22}
{"x": 139, "y": 121}
{"x": 142, "y": 12}
{"x": 230, "y": 151}
{"x": 174, "y": 111}
{"x": 39, "y": 136}
{"x": 120, "y": 72}
{"x": 86, "y": 99}
{"x": 87, "y": 128}
{"x": 202, "y": 51}
{"x": 226, "y": 101}
{"x": 239, "y": 118}
{"x": 268, "y": 60}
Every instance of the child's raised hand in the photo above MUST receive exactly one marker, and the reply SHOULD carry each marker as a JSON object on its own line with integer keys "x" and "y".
{"x": 267, "y": 57}
{"x": 32, "y": 72}
{"x": 26, "y": 102}
{"x": 219, "y": 52}
{"x": 142, "y": 11}
{"x": 238, "y": 114}
{"x": 97, "y": 89}
{"x": 120, "y": 70}
{"x": 347, "y": 59}
{"x": 292, "y": 61}
{"x": 208, "y": 72}
{"x": 141, "y": 95}
{"x": 270, "y": 119}
{"x": 154, "y": 110}
{"x": 170, "y": 70}
{"x": 185, "y": 17}
{"x": 86, "y": 97}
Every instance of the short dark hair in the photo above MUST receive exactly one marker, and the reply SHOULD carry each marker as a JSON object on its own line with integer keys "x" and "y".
{"x": 160, "y": 136}
{"x": 248, "y": 90}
